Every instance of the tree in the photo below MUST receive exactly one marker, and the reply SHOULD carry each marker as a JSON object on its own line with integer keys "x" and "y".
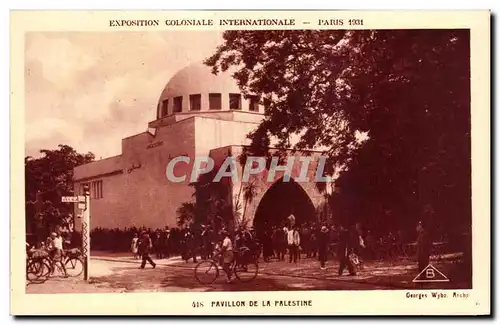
{"x": 186, "y": 214}
{"x": 323, "y": 210}
{"x": 235, "y": 215}
{"x": 213, "y": 201}
{"x": 406, "y": 93}
{"x": 249, "y": 192}
{"x": 417, "y": 162}
{"x": 295, "y": 73}
{"x": 49, "y": 177}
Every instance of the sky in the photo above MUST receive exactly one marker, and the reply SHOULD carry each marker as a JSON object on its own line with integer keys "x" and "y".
{"x": 91, "y": 89}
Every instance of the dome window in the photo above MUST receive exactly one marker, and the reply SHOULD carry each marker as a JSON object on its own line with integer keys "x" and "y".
{"x": 195, "y": 102}
{"x": 158, "y": 111}
{"x": 164, "y": 108}
{"x": 235, "y": 101}
{"x": 178, "y": 104}
{"x": 215, "y": 101}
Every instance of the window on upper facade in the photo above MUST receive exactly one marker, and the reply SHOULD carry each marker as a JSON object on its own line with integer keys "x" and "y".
{"x": 164, "y": 108}
{"x": 177, "y": 104}
{"x": 215, "y": 101}
{"x": 254, "y": 104}
{"x": 96, "y": 190}
{"x": 195, "y": 102}
{"x": 235, "y": 101}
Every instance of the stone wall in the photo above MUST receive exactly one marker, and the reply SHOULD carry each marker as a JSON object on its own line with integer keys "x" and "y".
{"x": 262, "y": 184}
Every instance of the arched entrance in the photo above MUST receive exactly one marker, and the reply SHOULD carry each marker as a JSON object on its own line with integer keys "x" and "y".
{"x": 279, "y": 201}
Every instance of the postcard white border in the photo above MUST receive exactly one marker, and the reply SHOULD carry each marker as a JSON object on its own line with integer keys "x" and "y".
{"x": 324, "y": 302}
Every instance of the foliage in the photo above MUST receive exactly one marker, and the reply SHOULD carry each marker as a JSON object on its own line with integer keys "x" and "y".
{"x": 51, "y": 176}
{"x": 237, "y": 214}
{"x": 407, "y": 91}
{"x": 213, "y": 201}
{"x": 186, "y": 214}
{"x": 249, "y": 192}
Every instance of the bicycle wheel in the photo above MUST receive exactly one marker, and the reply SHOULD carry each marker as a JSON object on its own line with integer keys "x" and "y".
{"x": 31, "y": 270}
{"x": 46, "y": 266}
{"x": 35, "y": 271}
{"x": 73, "y": 266}
{"x": 246, "y": 273}
{"x": 206, "y": 272}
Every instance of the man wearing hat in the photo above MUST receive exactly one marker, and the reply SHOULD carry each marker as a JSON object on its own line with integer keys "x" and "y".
{"x": 293, "y": 239}
{"x": 144, "y": 248}
{"x": 323, "y": 241}
{"x": 291, "y": 220}
{"x": 207, "y": 241}
{"x": 423, "y": 247}
{"x": 344, "y": 248}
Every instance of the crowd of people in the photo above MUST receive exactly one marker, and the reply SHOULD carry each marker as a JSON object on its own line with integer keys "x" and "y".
{"x": 274, "y": 242}
{"x": 287, "y": 242}
{"x": 166, "y": 242}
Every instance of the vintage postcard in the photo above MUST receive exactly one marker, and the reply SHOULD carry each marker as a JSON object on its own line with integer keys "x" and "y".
{"x": 250, "y": 163}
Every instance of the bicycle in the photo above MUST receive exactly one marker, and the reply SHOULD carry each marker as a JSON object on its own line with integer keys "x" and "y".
{"x": 36, "y": 270}
{"x": 207, "y": 271}
{"x": 72, "y": 261}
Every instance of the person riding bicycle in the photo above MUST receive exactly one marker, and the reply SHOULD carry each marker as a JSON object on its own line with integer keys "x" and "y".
{"x": 227, "y": 254}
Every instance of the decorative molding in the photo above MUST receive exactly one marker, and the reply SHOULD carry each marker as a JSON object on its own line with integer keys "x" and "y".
{"x": 85, "y": 179}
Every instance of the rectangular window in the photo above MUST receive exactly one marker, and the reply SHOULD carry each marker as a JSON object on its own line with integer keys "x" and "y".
{"x": 254, "y": 104}
{"x": 215, "y": 101}
{"x": 234, "y": 101}
{"x": 164, "y": 108}
{"x": 96, "y": 190}
{"x": 195, "y": 102}
{"x": 177, "y": 104}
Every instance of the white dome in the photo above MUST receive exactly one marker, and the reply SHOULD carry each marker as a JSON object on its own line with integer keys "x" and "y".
{"x": 197, "y": 78}
{"x": 195, "y": 90}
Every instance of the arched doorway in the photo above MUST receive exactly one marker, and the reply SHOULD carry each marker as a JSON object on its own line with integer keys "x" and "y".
{"x": 279, "y": 201}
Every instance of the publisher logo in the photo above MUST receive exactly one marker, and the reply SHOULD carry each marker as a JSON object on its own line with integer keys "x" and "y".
{"x": 430, "y": 274}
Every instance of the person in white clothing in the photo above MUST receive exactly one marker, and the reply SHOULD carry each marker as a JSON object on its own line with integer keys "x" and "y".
{"x": 227, "y": 254}
{"x": 134, "y": 247}
{"x": 293, "y": 238}
{"x": 58, "y": 242}
{"x": 56, "y": 249}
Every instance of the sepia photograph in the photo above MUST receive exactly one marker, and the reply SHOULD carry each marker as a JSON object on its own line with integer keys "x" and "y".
{"x": 276, "y": 159}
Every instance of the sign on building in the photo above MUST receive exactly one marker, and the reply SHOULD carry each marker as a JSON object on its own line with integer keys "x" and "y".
{"x": 72, "y": 199}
